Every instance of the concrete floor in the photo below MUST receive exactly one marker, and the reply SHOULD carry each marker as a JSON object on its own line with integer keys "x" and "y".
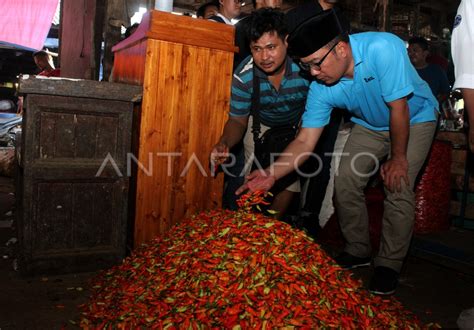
{"x": 434, "y": 291}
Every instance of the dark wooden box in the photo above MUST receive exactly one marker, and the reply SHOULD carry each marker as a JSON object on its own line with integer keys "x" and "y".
{"x": 73, "y": 181}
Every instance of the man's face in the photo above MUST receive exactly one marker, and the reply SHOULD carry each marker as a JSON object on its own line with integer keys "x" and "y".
{"x": 269, "y": 52}
{"x": 330, "y": 70}
{"x": 231, "y": 8}
{"x": 210, "y": 11}
{"x": 417, "y": 55}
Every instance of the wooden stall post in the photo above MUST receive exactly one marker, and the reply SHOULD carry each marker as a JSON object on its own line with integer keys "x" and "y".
{"x": 185, "y": 67}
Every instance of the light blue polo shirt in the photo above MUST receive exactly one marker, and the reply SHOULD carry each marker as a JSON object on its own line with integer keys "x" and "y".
{"x": 382, "y": 73}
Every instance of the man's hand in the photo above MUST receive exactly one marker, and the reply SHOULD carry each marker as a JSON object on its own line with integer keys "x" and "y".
{"x": 219, "y": 154}
{"x": 393, "y": 171}
{"x": 257, "y": 180}
{"x": 396, "y": 168}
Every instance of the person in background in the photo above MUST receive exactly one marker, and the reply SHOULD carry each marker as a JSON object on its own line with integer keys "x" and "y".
{"x": 310, "y": 8}
{"x": 44, "y": 61}
{"x": 282, "y": 93}
{"x": 394, "y": 115}
{"x": 437, "y": 57}
{"x": 462, "y": 44}
{"x": 208, "y": 10}
{"x": 228, "y": 10}
{"x": 241, "y": 39}
{"x": 433, "y": 74}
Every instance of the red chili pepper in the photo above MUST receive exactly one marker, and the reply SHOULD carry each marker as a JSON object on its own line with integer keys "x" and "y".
{"x": 222, "y": 269}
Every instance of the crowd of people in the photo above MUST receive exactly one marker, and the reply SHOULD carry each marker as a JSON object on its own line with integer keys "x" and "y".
{"x": 306, "y": 69}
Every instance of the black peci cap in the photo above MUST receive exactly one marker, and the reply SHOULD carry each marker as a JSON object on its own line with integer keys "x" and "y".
{"x": 314, "y": 33}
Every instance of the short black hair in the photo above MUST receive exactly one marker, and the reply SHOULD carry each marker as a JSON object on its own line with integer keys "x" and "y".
{"x": 131, "y": 28}
{"x": 422, "y": 42}
{"x": 266, "y": 20}
{"x": 202, "y": 9}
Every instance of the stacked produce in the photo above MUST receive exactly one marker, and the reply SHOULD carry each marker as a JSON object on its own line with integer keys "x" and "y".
{"x": 236, "y": 270}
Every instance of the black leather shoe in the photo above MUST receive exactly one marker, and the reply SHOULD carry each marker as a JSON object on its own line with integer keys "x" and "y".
{"x": 348, "y": 261}
{"x": 384, "y": 282}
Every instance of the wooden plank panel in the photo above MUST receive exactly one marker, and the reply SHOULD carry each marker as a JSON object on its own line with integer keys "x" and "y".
{"x": 89, "y": 89}
{"x": 184, "y": 110}
{"x": 52, "y": 223}
{"x": 129, "y": 64}
{"x": 188, "y": 31}
{"x": 85, "y": 137}
{"x": 184, "y": 30}
{"x": 66, "y": 129}
{"x": 106, "y": 215}
{"x": 200, "y": 144}
{"x": 95, "y": 226}
{"x": 144, "y": 184}
{"x": 46, "y": 148}
{"x": 158, "y": 134}
{"x": 85, "y": 226}
{"x": 64, "y": 136}
{"x": 107, "y": 137}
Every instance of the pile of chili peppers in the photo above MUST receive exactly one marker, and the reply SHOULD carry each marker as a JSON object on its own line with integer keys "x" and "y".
{"x": 236, "y": 270}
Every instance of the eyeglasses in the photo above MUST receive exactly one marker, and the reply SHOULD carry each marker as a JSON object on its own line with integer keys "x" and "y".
{"x": 317, "y": 65}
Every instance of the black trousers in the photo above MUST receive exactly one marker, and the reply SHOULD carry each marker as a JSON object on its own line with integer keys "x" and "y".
{"x": 234, "y": 179}
{"x": 317, "y": 184}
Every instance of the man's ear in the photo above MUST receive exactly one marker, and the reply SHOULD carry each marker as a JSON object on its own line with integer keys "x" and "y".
{"x": 342, "y": 48}
{"x": 285, "y": 41}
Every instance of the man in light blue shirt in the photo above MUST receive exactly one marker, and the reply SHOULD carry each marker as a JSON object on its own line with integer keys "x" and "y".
{"x": 394, "y": 115}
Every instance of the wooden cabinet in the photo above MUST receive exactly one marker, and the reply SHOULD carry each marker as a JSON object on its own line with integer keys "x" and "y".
{"x": 185, "y": 67}
{"x": 72, "y": 187}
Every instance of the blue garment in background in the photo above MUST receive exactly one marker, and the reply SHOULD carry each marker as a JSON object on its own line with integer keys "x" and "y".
{"x": 436, "y": 78}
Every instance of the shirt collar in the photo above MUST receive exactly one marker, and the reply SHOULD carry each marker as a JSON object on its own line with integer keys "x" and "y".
{"x": 355, "y": 51}
{"x": 226, "y": 20}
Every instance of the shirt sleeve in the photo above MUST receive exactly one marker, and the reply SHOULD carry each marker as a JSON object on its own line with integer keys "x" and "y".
{"x": 240, "y": 99}
{"x": 393, "y": 67}
{"x": 318, "y": 109}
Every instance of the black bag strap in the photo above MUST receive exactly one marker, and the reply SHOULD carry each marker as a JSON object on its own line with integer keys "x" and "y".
{"x": 255, "y": 105}
{"x": 254, "y": 111}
